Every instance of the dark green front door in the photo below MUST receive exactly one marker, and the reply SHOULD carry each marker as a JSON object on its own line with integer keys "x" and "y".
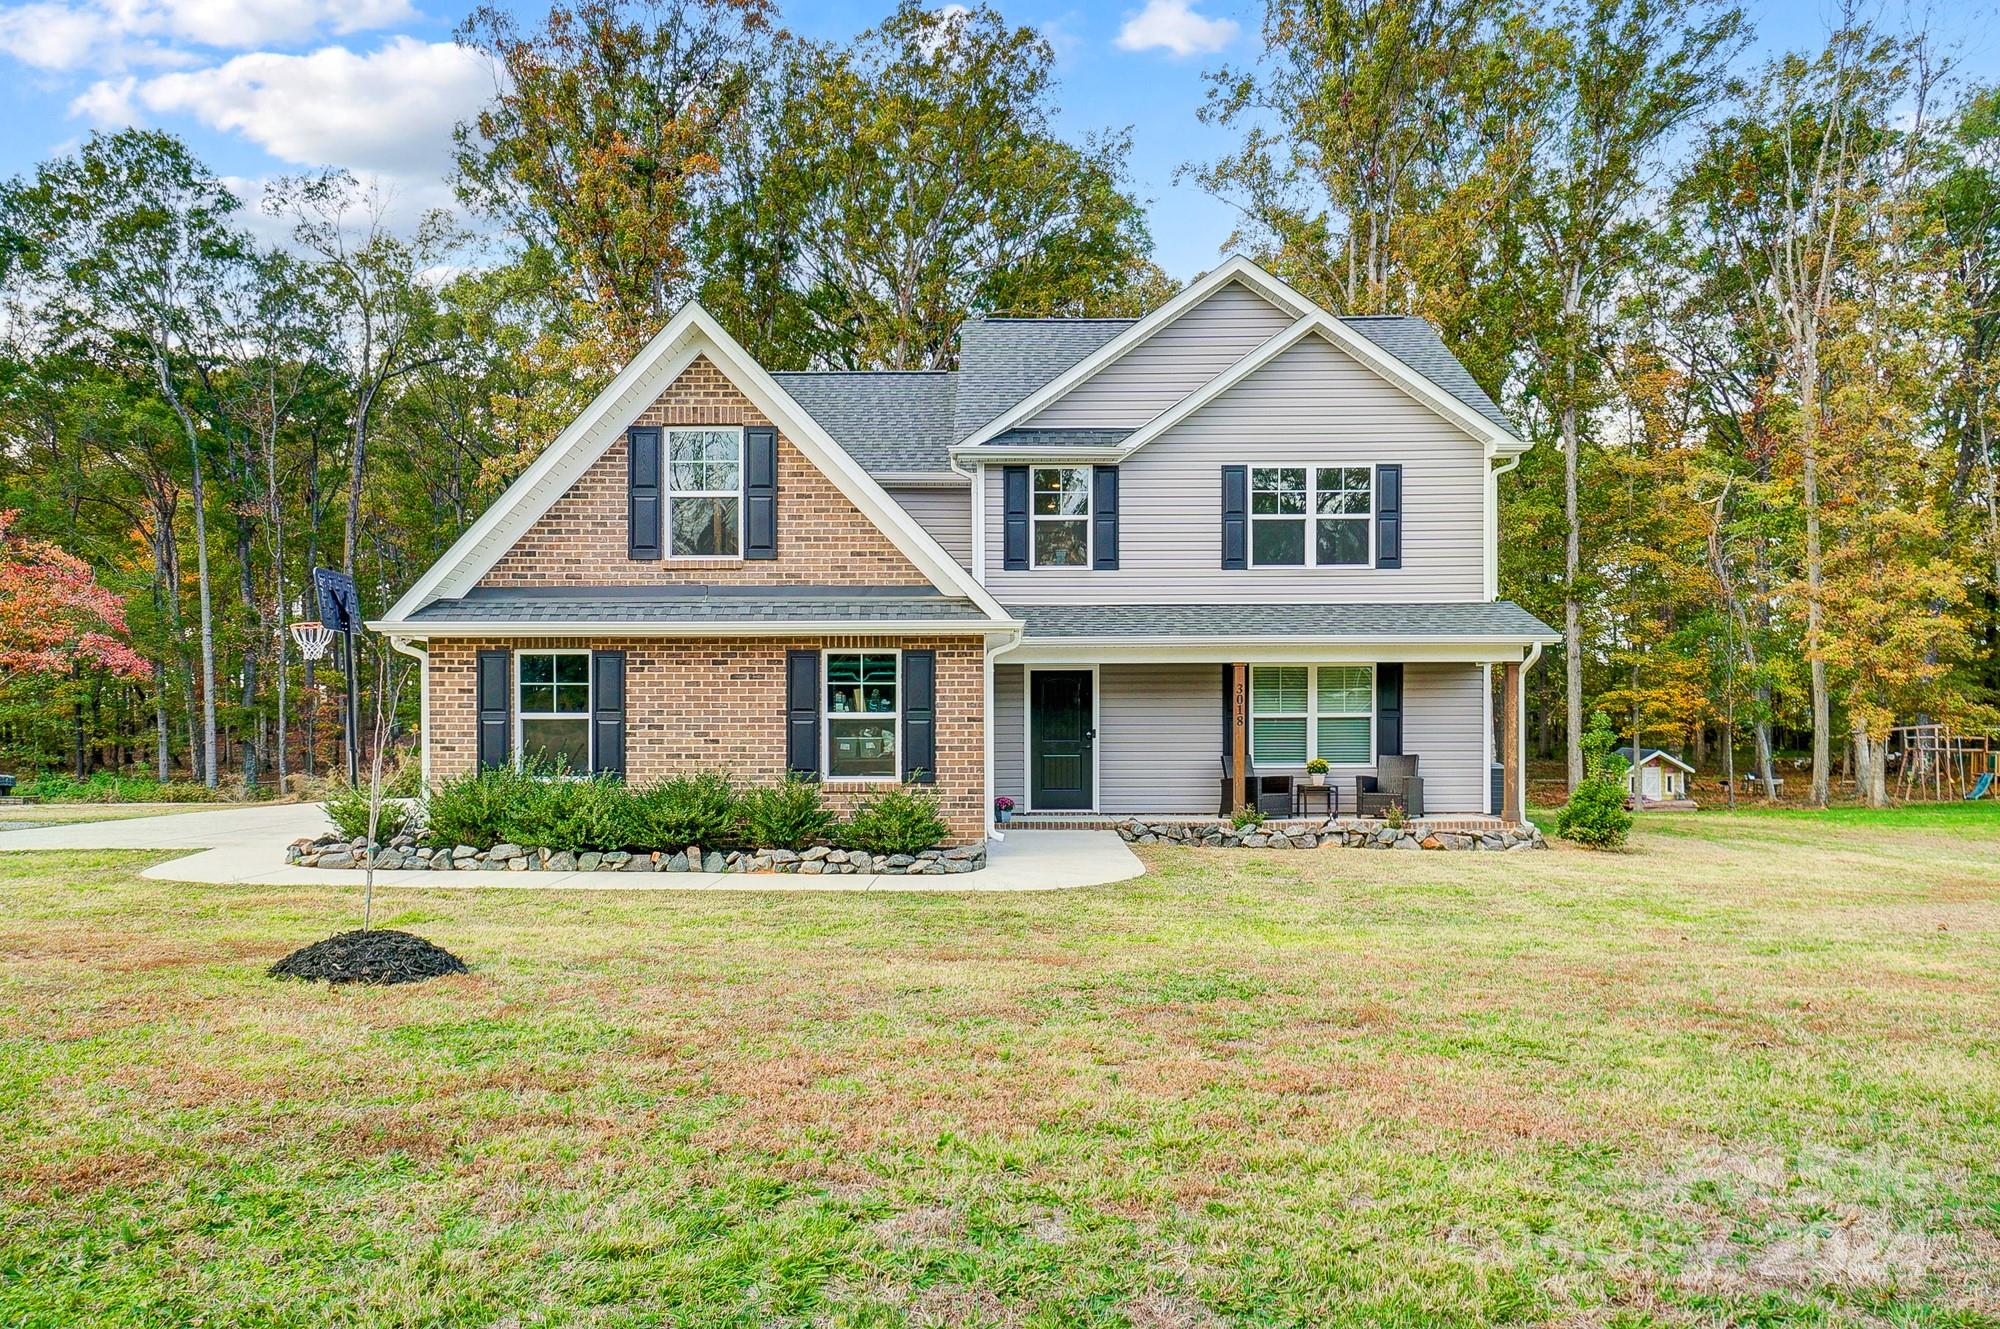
{"x": 1060, "y": 738}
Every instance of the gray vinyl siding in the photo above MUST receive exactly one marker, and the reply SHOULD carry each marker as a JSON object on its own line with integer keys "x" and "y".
{"x": 1159, "y": 738}
{"x": 1007, "y": 736}
{"x": 1314, "y": 404}
{"x": 1445, "y": 725}
{"x": 1168, "y": 365}
{"x": 943, "y": 510}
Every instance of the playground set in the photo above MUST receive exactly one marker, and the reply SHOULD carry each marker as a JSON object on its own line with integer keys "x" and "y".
{"x": 1937, "y": 763}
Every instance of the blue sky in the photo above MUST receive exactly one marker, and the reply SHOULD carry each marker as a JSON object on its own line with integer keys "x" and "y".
{"x": 261, "y": 87}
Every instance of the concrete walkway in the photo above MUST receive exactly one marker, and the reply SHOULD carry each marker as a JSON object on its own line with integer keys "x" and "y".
{"x": 246, "y": 846}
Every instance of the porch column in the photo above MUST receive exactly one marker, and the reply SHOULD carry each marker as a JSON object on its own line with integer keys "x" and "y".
{"x": 1239, "y": 729}
{"x": 1513, "y": 802}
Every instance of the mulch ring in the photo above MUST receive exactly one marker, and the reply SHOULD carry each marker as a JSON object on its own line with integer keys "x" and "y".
{"x": 374, "y": 955}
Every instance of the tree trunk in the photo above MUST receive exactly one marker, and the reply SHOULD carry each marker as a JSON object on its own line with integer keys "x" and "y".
{"x": 1572, "y": 608}
{"x": 1822, "y": 706}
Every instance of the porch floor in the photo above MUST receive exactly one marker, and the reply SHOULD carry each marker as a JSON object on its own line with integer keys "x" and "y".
{"x": 1077, "y": 821}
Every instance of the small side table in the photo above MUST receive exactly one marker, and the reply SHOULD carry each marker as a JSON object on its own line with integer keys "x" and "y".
{"x": 1305, "y": 793}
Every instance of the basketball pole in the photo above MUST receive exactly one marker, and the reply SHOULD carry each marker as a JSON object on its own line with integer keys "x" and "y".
{"x": 353, "y": 710}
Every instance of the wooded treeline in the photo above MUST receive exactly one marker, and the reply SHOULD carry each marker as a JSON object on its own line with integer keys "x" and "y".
{"x": 1745, "y": 310}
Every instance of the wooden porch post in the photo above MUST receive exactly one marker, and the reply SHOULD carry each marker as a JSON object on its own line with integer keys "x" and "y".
{"x": 1513, "y": 804}
{"x": 1239, "y": 726}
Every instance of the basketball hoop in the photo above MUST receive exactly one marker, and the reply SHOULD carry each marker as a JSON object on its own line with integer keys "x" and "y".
{"x": 314, "y": 639}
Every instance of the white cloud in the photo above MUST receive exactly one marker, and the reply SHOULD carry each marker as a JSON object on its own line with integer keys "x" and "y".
{"x": 118, "y": 34}
{"x": 1173, "y": 25}
{"x": 390, "y": 111}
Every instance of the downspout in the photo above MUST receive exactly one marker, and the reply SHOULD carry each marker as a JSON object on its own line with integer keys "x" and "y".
{"x": 1493, "y": 520}
{"x": 423, "y": 659}
{"x": 1521, "y": 727}
{"x": 986, "y": 711}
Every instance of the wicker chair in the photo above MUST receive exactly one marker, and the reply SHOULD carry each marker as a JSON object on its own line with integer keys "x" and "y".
{"x": 1395, "y": 782}
{"x": 1270, "y": 794}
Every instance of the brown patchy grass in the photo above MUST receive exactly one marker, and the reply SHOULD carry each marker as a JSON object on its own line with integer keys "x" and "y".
{"x": 1742, "y": 1073}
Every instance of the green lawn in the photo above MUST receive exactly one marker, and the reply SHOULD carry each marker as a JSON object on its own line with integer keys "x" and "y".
{"x": 1747, "y": 1073}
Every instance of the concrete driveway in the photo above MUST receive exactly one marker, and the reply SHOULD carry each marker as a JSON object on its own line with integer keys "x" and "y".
{"x": 246, "y": 845}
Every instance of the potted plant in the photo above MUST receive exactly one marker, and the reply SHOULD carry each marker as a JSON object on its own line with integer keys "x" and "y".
{"x": 1003, "y": 809}
{"x": 1316, "y": 768}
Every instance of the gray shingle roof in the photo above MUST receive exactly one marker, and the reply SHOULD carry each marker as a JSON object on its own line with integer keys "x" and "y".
{"x": 1496, "y": 618}
{"x": 1059, "y": 438}
{"x": 886, "y": 421}
{"x": 698, "y": 604}
{"x": 1002, "y": 360}
{"x": 1417, "y": 344}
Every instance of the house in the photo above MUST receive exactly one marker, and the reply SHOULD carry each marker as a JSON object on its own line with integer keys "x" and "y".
{"x": 1105, "y": 567}
{"x": 1653, "y": 776}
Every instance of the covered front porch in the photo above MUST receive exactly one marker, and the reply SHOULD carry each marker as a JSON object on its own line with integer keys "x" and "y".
{"x": 1410, "y": 726}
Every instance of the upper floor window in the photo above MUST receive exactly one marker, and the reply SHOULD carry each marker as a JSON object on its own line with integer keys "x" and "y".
{"x": 861, "y": 714}
{"x": 1298, "y": 712}
{"x": 1311, "y": 516}
{"x": 1060, "y": 504}
{"x": 553, "y": 706}
{"x": 705, "y": 493}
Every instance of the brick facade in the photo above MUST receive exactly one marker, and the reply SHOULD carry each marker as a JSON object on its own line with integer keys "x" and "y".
{"x": 718, "y": 704}
{"x": 823, "y": 539}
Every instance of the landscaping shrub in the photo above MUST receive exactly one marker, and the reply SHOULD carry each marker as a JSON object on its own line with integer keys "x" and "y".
{"x": 791, "y": 815}
{"x": 1595, "y": 815}
{"x": 698, "y": 809}
{"x": 902, "y": 821}
{"x": 570, "y": 813}
{"x": 346, "y": 806}
{"x": 1246, "y": 816}
{"x": 104, "y": 787}
{"x": 474, "y": 808}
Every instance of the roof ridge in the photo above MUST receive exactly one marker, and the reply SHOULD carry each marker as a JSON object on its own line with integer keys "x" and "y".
{"x": 860, "y": 372}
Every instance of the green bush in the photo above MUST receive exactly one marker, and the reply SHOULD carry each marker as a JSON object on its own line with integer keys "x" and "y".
{"x": 791, "y": 815}
{"x": 1595, "y": 815}
{"x": 698, "y": 809}
{"x": 104, "y": 787}
{"x": 475, "y": 808}
{"x": 902, "y": 821}
{"x": 346, "y": 806}
{"x": 1247, "y": 816}
{"x": 570, "y": 813}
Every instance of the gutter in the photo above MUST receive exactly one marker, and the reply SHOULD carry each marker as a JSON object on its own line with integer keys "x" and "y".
{"x": 982, "y": 627}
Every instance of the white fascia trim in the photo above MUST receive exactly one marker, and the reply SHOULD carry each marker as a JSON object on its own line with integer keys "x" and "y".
{"x": 922, "y": 479}
{"x": 1236, "y": 268}
{"x": 1663, "y": 756}
{"x": 1328, "y": 650}
{"x": 690, "y": 333}
{"x": 962, "y": 627}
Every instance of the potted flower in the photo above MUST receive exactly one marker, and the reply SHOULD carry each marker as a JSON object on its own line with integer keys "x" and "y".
{"x": 1316, "y": 768}
{"x": 1003, "y": 809}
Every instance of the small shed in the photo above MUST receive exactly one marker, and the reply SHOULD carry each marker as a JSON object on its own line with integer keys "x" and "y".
{"x": 1656, "y": 776}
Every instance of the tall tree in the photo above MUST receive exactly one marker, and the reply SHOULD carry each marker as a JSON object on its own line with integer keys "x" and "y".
{"x": 601, "y": 145}
{"x": 134, "y": 233}
{"x": 1624, "y": 75}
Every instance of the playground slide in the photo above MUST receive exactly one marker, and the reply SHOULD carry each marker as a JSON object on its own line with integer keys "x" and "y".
{"x": 1984, "y": 783}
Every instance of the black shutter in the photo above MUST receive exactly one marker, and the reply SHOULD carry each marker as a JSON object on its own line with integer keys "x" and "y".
{"x": 920, "y": 716}
{"x": 1235, "y": 517}
{"x": 802, "y": 713}
{"x": 607, "y": 712}
{"x": 760, "y": 492}
{"x": 1014, "y": 492}
{"x": 642, "y": 475}
{"x": 494, "y": 686}
{"x": 1104, "y": 517}
{"x": 1388, "y": 516}
{"x": 1388, "y": 710}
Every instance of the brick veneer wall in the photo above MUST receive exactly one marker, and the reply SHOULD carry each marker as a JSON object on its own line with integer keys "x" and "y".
{"x": 823, "y": 539}
{"x": 694, "y": 704}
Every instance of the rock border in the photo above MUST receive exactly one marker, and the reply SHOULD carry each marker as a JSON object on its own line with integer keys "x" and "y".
{"x": 1331, "y": 833}
{"x": 404, "y": 854}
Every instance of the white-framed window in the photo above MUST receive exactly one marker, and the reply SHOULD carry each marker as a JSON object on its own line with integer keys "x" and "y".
{"x": 1059, "y": 508}
{"x": 1312, "y": 516}
{"x": 705, "y": 492}
{"x": 862, "y": 715}
{"x": 1298, "y": 712}
{"x": 552, "y": 709}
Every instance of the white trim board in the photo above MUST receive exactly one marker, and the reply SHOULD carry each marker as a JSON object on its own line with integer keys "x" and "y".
{"x": 761, "y": 627}
{"x": 690, "y": 334}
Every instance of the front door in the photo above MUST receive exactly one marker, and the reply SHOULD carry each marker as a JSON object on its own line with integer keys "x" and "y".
{"x": 1060, "y": 739}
